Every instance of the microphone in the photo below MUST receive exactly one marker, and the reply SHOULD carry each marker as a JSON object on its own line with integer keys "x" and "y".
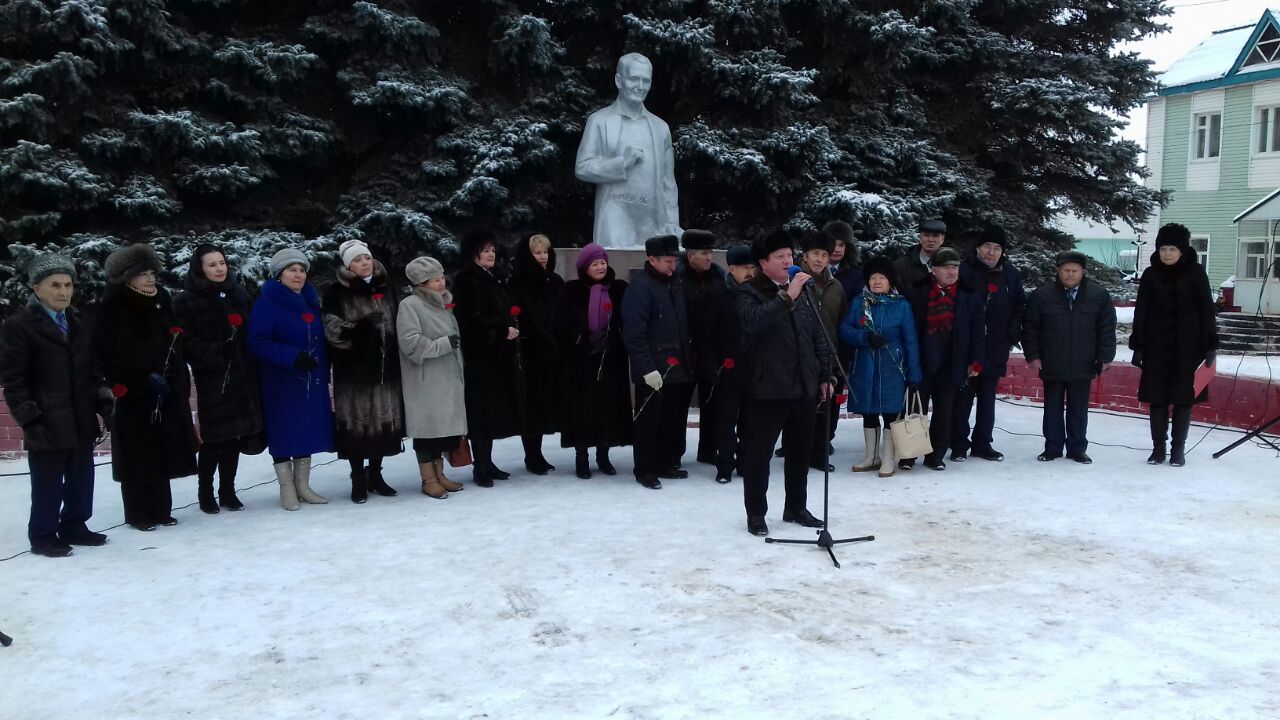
{"x": 809, "y": 292}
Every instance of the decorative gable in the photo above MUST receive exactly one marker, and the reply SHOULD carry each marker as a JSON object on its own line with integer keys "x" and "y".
{"x": 1266, "y": 50}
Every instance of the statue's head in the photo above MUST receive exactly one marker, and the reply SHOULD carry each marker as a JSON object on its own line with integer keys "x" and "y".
{"x": 633, "y": 77}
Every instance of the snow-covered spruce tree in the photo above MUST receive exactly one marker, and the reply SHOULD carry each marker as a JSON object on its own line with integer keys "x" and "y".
{"x": 404, "y": 121}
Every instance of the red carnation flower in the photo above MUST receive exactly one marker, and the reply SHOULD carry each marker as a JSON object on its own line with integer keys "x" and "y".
{"x": 377, "y": 297}
{"x": 119, "y": 390}
{"x": 515, "y": 311}
{"x": 842, "y": 398}
{"x": 308, "y": 318}
{"x": 673, "y": 361}
{"x": 450, "y": 306}
{"x": 991, "y": 288}
{"x": 862, "y": 321}
{"x": 976, "y": 367}
{"x": 235, "y": 319}
{"x": 729, "y": 363}
{"x": 175, "y": 330}
{"x": 608, "y": 307}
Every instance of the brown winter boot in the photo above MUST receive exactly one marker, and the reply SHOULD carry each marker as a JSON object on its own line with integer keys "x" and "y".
{"x": 445, "y": 482}
{"x": 431, "y": 486}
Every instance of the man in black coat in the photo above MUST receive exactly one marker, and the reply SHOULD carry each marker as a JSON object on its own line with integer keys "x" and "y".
{"x": 656, "y": 332}
{"x": 53, "y": 387}
{"x": 1069, "y": 338}
{"x": 999, "y": 284}
{"x": 702, "y": 282}
{"x": 731, "y": 377}
{"x": 790, "y": 374}
{"x": 948, "y": 318}
{"x": 913, "y": 267}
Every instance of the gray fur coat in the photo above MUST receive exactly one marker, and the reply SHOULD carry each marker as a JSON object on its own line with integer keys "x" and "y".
{"x": 430, "y": 368}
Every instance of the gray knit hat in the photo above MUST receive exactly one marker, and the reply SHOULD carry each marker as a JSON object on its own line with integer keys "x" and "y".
{"x": 422, "y": 269}
{"x": 50, "y": 264}
{"x": 286, "y": 257}
{"x": 131, "y": 260}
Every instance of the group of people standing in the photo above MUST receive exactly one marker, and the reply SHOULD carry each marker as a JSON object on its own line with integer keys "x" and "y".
{"x": 770, "y": 346}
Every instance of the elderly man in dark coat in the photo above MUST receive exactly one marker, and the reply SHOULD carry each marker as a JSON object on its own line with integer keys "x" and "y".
{"x": 1175, "y": 329}
{"x": 790, "y": 364}
{"x": 732, "y": 376}
{"x": 656, "y": 332}
{"x": 53, "y": 387}
{"x": 1069, "y": 338}
{"x": 913, "y": 267}
{"x": 702, "y": 281}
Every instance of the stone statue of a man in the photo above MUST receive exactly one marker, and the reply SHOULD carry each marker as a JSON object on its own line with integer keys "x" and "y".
{"x": 626, "y": 153}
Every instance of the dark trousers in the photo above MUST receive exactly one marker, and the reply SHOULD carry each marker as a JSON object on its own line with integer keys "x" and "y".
{"x": 765, "y": 420}
{"x": 939, "y": 393}
{"x": 707, "y": 402}
{"x": 730, "y": 425}
{"x": 659, "y": 429}
{"x": 1070, "y": 434}
{"x": 61, "y": 492}
{"x": 223, "y": 457}
{"x": 982, "y": 389}
{"x": 146, "y": 503}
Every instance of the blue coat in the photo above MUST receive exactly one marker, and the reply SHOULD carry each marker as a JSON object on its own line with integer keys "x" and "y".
{"x": 879, "y": 376}
{"x": 1004, "y": 309}
{"x": 295, "y": 403}
{"x": 655, "y": 326}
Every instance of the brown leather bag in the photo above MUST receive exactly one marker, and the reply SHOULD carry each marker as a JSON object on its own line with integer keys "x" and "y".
{"x": 461, "y": 455}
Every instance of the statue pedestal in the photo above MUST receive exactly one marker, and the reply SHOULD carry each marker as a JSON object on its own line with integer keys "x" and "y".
{"x": 623, "y": 262}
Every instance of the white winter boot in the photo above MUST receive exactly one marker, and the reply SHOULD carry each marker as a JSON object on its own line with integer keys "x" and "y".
{"x": 888, "y": 456}
{"x": 288, "y": 495}
{"x": 871, "y": 437}
{"x": 302, "y": 479}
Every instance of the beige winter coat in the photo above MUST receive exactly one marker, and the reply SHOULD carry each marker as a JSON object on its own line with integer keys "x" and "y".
{"x": 430, "y": 368}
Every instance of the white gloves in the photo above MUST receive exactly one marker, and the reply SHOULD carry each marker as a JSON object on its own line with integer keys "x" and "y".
{"x": 653, "y": 380}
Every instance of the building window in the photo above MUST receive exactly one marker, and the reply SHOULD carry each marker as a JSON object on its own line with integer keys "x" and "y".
{"x": 1208, "y": 136}
{"x": 1258, "y": 247}
{"x": 1267, "y": 50}
{"x": 1200, "y": 244}
{"x": 1268, "y": 130}
{"x": 1255, "y": 259}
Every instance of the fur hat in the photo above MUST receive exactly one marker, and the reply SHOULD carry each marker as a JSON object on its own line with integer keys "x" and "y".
{"x": 662, "y": 246}
{"x": 352, "y": 249}
{"x": 880, "y": 266}
{"x": 50, "y": 264}
{"x": 933, "y": 226}
{"x": 779, "y": 239}
{"x": 131, "y": 260}
{"x": 590, "y": 253}
{"x": 1071, "y": 256}
{"x": 993, "y": 234}
{"x": 474, "y": 240}
{"x": 697, "y": 240}
{"x": 945, "y": 256}
{"x": 286, "y": 257}
{"x": 838, "y": 230}
{"x": 818, "y": 241}
{"x": 1176, "y": 235}
{"x": 740, "y": 255}
{"x": 422, "y": 269}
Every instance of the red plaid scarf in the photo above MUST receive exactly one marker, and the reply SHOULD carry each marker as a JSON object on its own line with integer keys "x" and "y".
{"x": 941, "y": 313}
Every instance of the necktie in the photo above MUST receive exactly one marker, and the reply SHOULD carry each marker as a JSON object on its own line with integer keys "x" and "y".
{"x": 61, "y": 319}
{"x": 1071, "y": 298}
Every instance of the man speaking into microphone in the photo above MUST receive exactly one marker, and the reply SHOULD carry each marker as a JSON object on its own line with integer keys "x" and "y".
{"x": 790, "y": 363}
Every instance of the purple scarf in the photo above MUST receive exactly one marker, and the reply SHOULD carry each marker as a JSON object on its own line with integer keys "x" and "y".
{"x": 597, "y": 316}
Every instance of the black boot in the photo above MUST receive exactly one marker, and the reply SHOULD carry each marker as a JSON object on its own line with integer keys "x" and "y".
{"x": 1159, "y": 416}
{"x": 205, "y": 492}
{"x": 359, "y": 485}
{"x": 1181, "y": 426}
{"x": 482, "y": 467}
{"x": 582, "y": 464}
{"x": 534, "y": 461}
{"x": 227, "y": 495}
{"x": 377, "y": 484}
{"x": 602, "y": 461}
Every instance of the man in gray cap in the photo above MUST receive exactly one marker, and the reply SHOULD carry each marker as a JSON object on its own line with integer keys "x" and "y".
{"x": 54, "y": 388}
{"x": 1069, "y": 338}
{"x": 913, "y": 267}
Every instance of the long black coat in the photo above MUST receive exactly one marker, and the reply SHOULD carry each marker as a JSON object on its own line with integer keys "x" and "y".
{"x": 52, "y": 382}
{"x": 1174, "y": 327}
{"x": 655, "y": 326}
{"x": 597, "y": 390}
{"x": 1072, "y": 341}
{"x": 368, "y": 407}
{"x": 540, "y": 294}
{"x": 135, "y": 339}
{"x": 215, "y": 321}
{"x": 1004, "y": 303}
{"x": 787, "y": 355}
{"x": 494, "y": 381}
{"x": 702, "y": 293}
{"x": 729, "y": 339}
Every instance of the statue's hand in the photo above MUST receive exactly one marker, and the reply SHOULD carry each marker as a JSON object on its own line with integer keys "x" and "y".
{"x": 632, "y": 156}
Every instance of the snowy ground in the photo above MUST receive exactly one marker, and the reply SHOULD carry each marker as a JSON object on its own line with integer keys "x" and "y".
{"x": 992, "y": 590}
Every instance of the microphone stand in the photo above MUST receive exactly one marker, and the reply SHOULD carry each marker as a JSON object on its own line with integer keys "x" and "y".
{"x": 824, "y": 539}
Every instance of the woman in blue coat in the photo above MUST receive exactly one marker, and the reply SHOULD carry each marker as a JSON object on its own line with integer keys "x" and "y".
{"x": 286, "y": 332}
{"x": 886, "y": 361}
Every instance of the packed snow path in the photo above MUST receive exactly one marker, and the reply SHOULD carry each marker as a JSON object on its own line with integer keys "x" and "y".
{"x": 1013, "y": 589}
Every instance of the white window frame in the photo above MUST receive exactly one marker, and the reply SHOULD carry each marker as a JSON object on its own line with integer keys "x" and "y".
{"x": 1202, "y": 136}
{"x": 1254, "y": 265}
{"x": 1202, "y": 256}
{"x": 1266, "y": 139}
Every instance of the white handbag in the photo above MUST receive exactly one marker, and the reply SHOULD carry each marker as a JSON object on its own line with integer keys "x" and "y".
{"x": 911, "y": 431}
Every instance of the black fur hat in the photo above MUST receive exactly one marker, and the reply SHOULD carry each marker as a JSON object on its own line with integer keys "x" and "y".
{"x": 817, "y": 241}
{"x": 474, "y": 240}
{"x": 776, "y": 240}
{"x": 697, "y": 240}
{"x": 880, "y": 266}
{"x": 131, "y": 260}
{"x": 662, "y": 246}
{"x": 1176, "y": 235}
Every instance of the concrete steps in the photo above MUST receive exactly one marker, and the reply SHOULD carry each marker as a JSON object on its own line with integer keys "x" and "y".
{"x": 1247, "y": 334}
